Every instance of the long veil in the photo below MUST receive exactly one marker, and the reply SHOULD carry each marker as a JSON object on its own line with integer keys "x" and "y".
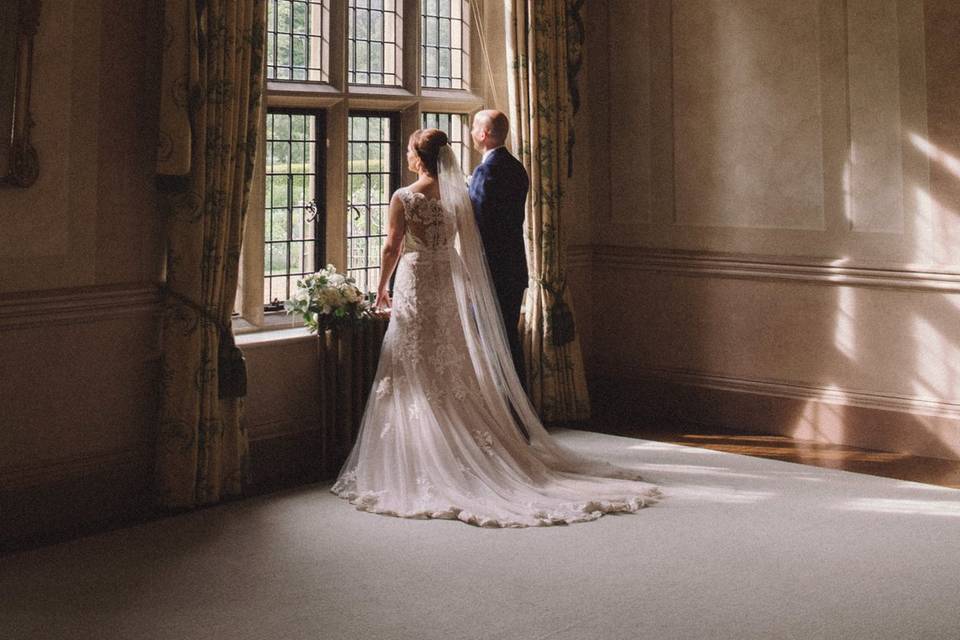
{"x": 486, "y": 338}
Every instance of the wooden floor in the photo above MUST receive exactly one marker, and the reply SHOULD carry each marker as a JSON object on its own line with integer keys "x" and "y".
{"x": 901, "y": 466}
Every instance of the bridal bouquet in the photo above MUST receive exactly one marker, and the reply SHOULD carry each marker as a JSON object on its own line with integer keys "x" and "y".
{"x": 327, "y": 298}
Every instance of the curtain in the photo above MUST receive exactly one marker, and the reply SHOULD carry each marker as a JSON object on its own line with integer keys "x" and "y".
{"x": 541, "y": 36}
{"x": 212, "y": 87}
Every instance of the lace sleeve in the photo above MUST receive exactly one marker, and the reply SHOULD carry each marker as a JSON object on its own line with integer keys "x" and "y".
{"x": 405, "y": 196}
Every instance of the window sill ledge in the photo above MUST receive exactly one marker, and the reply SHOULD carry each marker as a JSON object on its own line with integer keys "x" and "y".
{"x": 276, "y": 328}
{"x": 274, "y": 336}
{"x": 301, "y": 86}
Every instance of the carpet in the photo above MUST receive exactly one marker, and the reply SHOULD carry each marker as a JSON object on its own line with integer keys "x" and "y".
{"x": 739, "y": 548}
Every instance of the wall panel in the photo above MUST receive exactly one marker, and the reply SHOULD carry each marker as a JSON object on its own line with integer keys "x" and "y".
{"x": 628, "y": 141}
{"x": 747, "y": 114}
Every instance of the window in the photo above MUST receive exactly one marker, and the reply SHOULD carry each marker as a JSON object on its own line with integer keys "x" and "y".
{"x": 293, "y": 230}
{"x": 373, "y": 172}
{"x": 376, "y": 35}
{"x": 347, "y": 83}
{"x": 458, "y": 132}
{"x": 298, "y": 40}
{"x": 445, "y": 38}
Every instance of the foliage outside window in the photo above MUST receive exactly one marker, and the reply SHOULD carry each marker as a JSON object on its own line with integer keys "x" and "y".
{"x": 298, "y": 40}
{"x": 375, "y": 54}
{"x": 373, "y": 174}
{"x": 458, "y": 132}
{"x": 292, "y": 228}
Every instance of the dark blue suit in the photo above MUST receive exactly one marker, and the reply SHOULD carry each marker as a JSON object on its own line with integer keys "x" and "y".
{"x": 498, "y": 190}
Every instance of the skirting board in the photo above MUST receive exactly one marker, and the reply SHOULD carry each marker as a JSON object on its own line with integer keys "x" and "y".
{"x": 644, "y": 399}
{"x": 63, "y": 506}
{"x": 119, "y": 491}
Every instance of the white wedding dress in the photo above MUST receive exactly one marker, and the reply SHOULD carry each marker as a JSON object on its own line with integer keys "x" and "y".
{"x": 438, "y": 438}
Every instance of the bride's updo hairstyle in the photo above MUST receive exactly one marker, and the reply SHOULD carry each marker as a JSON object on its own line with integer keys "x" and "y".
{"x": 428, "y": 143}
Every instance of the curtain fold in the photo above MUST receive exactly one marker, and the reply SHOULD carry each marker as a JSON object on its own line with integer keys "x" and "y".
{"x": 211, "y": 98}
{"x": 542, "y": 125}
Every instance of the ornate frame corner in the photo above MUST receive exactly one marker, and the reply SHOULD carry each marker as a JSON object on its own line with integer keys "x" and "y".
{"x": 19, "y": 162}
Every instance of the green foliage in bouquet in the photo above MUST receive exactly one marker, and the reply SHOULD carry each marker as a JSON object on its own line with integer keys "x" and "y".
{"x": 328, "y": 299}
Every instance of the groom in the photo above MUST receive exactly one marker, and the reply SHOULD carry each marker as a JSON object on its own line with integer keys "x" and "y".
{"x": 498, "y": 189}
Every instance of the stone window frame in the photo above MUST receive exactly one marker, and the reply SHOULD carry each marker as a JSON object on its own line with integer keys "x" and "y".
{"x": 337, "y": 99}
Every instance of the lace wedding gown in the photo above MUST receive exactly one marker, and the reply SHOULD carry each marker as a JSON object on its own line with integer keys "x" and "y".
{"x": 438, "y": 438}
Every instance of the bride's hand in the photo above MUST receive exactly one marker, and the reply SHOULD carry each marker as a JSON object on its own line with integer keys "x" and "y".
{"x": 382, "y": 304}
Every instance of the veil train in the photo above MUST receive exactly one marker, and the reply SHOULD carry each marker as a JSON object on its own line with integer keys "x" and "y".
{"x": 482, "y": 324}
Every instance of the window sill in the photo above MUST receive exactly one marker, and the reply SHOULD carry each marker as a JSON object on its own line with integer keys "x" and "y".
{"x": 274, "y": 336}
{"x": 276, "y": 327}
{"x": 302, "y": 87}
{"x": 462, "y": 95}
{"x": 450, "y": 100}
{"x": 375, "y": 91}
{"x": 271, "y": 320}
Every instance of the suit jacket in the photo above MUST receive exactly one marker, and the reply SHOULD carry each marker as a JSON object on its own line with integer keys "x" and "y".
{"x": 498, "y": 190}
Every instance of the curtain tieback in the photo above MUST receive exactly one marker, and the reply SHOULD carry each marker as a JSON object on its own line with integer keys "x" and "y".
{"x": 562, "y": 327}
{"x": 231, "y": 364}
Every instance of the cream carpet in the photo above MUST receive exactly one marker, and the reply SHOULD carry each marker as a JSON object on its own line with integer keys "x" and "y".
{"x": 740, "y": 548}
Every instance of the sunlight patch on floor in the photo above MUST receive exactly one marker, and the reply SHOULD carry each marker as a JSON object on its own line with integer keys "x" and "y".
{"x": 908, "y": 507}
{"x": 648, "y": 445}
{"x": 722, "y": 495}
{"x": 699, "y": 470}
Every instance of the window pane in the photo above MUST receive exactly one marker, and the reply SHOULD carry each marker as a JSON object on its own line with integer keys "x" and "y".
{"x": 458, "y": 132}
{"x": 445, "y": 56}
{"x": 297, "y": 224}
{"x": 372, "y": 178}
{"x": 375, "y": 41}
{"x": 298, "y": 40}
{"x": 293, "y": 224}
{"x": 279, "y": 224}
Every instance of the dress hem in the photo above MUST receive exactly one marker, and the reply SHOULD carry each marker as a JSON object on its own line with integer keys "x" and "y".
{"x": 562, "y": 514}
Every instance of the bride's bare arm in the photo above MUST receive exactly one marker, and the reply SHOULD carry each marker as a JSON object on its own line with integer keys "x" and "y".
{"x": 392, "y": 248}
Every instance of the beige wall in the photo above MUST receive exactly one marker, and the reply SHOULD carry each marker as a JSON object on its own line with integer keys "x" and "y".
{"x": 91, "y": 217}
{"x": 784, "y": 192}
{"x": 79, "y": 263}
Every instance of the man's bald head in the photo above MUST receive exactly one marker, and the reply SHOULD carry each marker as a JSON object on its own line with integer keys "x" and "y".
{"x": 490, "y": 129}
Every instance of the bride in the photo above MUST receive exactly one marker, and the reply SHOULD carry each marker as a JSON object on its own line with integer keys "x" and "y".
{"x": 440, "y": 436}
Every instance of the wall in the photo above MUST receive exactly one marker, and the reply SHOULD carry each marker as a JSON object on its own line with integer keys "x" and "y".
{"x": 774, "y": 240}
{"x": 79, "y": 263}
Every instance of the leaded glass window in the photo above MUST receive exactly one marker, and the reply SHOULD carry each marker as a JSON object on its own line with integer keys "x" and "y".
{"x": 375, "y": 42}
{"x": 458, "y": 132}
{"x": 445, "y": 44}
{"x": 293, "y": 232}
{"x": 345, "y": 79}
{"x": 298, "y": 40}
{"x": 373, "y": 173}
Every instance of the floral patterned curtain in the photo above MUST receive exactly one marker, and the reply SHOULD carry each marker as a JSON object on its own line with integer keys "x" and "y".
{"x": 542, "y": 34}
{"x": 213, "y": 80}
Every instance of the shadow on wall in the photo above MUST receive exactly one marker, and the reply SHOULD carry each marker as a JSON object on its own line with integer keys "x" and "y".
{"x": 889, "y": 373}
{"x": 918, "y": 335}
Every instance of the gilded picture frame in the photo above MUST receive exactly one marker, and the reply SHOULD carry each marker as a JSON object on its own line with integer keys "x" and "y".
{"x": 19, "y": 20}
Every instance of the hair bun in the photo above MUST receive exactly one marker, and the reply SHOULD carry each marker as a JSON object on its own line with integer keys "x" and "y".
{"x": 427, "y": 143}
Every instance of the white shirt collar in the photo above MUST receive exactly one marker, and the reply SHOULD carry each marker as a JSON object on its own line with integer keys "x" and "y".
{"x": 487, "y": 153}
